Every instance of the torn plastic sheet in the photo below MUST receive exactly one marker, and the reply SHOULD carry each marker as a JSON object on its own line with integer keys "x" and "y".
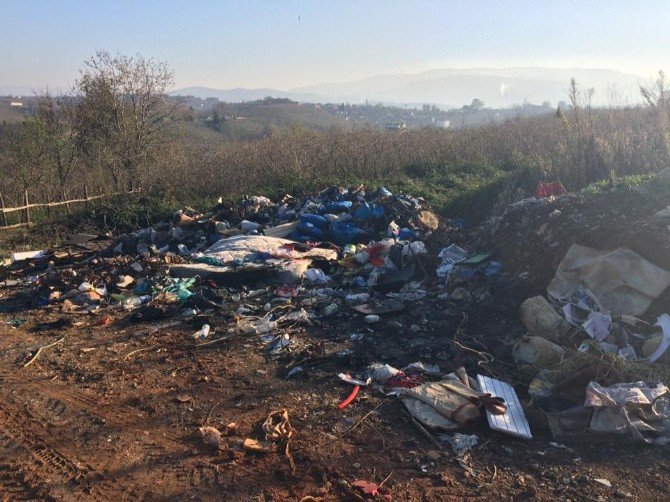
{"x": 598, "y": 325}
{"x": 282, "y": 342}
{"x": 579, "y": 304}
{"x": 317, "y": 276}
{"x": 635, "y": 408}
{"x": 583, "y": 309}
{"x": 382, "y": 372}
{"x": 664, "y": 323}
{"x": 621, "y": 280}
{"x": 450, "y": 255}
{"x": 346, "y": 377}
{"x": 243, "y": 248}
{"x": 459, "y": 442}
{"x": 408, "y": 296}
{"x": 421, "y": 367}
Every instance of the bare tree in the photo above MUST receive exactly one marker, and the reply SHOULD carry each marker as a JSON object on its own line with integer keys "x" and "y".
{"x": 24, "y": 154}
{"x": 124, "y": 113}
{"x": 56, "y": 117}
{"x": 657, "y": 97}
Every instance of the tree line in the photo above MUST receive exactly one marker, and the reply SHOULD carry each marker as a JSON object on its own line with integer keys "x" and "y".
{"x": 114, "y": 124}
{"x": 117, "y": 130}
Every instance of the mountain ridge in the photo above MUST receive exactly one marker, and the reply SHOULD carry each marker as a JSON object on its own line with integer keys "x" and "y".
{"x": 451, "y": 87}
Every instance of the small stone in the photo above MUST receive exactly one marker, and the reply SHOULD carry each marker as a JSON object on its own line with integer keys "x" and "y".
{"x": 459, "y": 294}
{"x": 604, "y": 482}
{"x": 623, "y": 495}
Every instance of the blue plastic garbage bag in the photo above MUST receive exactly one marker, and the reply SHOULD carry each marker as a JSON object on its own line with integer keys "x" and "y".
{"x": 345, "y": 232}
{"x": 406, "y": 234}
{"x": 366, "y": 212}
{"x": 342, "y": 206}
{"x": 314, "y": 219}
{"x": 298, "y": 237}
{"x": 360, "y": 282}
{"x": 305, "y": 228}
{"x": 493, "y": 268}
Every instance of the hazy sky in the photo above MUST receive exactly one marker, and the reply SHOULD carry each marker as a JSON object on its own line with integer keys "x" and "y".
{"x": 288, "y": 43}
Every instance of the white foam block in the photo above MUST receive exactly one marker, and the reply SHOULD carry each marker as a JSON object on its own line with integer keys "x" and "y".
{"x": 514, "y": 420}
{"x": 27, "y": 255}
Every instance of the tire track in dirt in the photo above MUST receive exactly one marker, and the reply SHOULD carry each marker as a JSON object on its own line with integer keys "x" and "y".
{"x": 37, "y": 414}
{"x": 14, "y": 484}
{"x": 57, "y": 398}
{"x": 21, "y": 434}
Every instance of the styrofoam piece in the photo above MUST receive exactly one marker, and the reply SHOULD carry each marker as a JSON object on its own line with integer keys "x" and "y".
{"x": 514, "y": 420}
{"x": 27, "y": 255}
{"x": 664, "y": 323}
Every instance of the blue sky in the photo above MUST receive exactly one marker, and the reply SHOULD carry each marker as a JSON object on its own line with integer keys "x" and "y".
{"x": 284, "y": 44}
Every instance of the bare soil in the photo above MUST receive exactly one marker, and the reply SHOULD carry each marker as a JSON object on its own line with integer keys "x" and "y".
{"x": 112, "y": 411}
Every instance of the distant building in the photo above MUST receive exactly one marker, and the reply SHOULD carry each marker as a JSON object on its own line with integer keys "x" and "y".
{"x": 16, "y": 103}
{"x": 395, "y": 126}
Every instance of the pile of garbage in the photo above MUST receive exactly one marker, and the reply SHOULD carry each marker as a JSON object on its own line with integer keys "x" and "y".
{"x": 375, "y": 263}
{"x": 596, "y": 297}
{"x": 533, "y": 235}
{"x": 595, "y": 350}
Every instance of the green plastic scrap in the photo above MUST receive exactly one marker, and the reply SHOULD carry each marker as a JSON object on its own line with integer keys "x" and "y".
{"x": 17, "y": 322}
{"x": 209, "y": 260}
{"x": 176, "y": 286}
{"x": 478, "y": 258}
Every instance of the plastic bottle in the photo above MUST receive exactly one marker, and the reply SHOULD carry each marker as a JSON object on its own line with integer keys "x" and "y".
{"x": 136, "y": 301}
{"x": 349, "y": 249}
{"x": 331, "y": 309}
{"x": 357, "y": 298}
{"x": 259, "y": 327}
{"x": 85, "y": 286}
{"x": 203, "y": 333}
{"x": 393, "y": 229}
{"x": 248, "y": 226}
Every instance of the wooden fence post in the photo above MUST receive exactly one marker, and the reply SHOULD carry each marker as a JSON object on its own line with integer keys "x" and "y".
{"x": 2, "y": 206}
{"x": 49, "y": 207}
{"x": 26, "y": 203}
{"x": 67, "y": 204}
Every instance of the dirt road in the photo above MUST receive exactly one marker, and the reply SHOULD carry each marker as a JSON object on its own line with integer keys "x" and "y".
{"x": 110, "y": 413}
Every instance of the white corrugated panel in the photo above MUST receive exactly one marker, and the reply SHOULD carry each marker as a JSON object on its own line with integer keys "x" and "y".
{"x": 514, "y": 420}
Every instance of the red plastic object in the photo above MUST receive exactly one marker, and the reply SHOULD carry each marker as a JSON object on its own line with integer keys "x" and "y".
{"x": 375, "y": 255}
{"x": 350, "y": 398}
{"x": 403, "y": 380}
{"x": 548, "y": 189}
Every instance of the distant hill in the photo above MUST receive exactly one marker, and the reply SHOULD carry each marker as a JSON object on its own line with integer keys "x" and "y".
{"x": 251, "y": 120}
{"x": 240, "y": 94}
{"x": 497, "y": 87}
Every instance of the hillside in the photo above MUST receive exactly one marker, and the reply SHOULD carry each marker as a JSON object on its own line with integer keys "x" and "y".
{"x": 451, "y": 87}
{"x": 11, "y": 114}
{"x": 245, "y": 121}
